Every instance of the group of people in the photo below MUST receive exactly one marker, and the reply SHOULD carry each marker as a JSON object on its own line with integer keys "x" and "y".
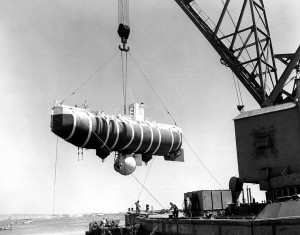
{"x": 7, "y": 227}
{"x": 187, "y": 208}
{"x": 103, "y": 223}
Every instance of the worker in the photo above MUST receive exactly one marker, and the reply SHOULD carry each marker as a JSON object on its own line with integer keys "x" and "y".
{"x": 175, "y": 210}
{"x": 103, "y": 222}
{"x": 189, "y": 207}
{"x": 94, "y": 226}
{"x": 137, "y": 207}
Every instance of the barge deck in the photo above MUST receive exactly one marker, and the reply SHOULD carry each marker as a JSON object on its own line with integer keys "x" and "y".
{"x": 183, "y": 226}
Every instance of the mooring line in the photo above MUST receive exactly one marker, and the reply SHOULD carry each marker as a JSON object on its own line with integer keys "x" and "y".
{"x": 55, "y": 176}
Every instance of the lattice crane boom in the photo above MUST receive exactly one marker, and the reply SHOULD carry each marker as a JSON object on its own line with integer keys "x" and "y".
{"x": 248, "y": 50}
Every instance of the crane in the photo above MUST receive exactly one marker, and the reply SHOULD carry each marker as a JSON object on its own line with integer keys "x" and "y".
{"x": 255, "y": 69}
{"x": 267, "y": 139}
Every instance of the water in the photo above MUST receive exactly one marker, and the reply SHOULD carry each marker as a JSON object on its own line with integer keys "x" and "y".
{"x": 60, "y": 225}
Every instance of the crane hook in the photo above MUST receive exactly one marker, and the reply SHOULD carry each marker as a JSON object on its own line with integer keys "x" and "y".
{"x": 124, "y": 31}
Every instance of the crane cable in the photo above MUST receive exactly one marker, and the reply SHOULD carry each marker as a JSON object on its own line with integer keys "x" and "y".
{"x": 236, "y": 81}
{"x": 123, "y": 16}
{"x": 124, "y": 33}
{"x": 171, "y": 116}
{"x": 232, "y": 21}
{"x": 124, "y": 78}
{"x": 237, "y": 90}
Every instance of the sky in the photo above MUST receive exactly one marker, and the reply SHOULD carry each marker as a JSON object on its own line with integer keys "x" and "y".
{"x": 50, "y": 48}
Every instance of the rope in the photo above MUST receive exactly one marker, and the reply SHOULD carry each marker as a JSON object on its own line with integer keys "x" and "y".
{"x": 143, "y": 187}
{"x": 102, "y": 141}
{"x": 89, "y": 78}
{"x": 147, "y": 191}
{"x": 146, "y": 177}
{"x": 55, "y": 176}
{"x": 202, "y": 163}
{"x": 158, "y": 97}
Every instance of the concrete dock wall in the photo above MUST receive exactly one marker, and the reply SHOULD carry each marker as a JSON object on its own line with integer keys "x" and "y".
{"x": 281, "y": 226}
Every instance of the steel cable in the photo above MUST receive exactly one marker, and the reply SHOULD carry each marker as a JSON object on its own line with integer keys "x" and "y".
{"x": 147, "y": 191}
{"x": 146, "y": 177}
{"x": 54, "y": 188}
{"x": 162, "y": 103}
{"x": 89, "y": 78}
